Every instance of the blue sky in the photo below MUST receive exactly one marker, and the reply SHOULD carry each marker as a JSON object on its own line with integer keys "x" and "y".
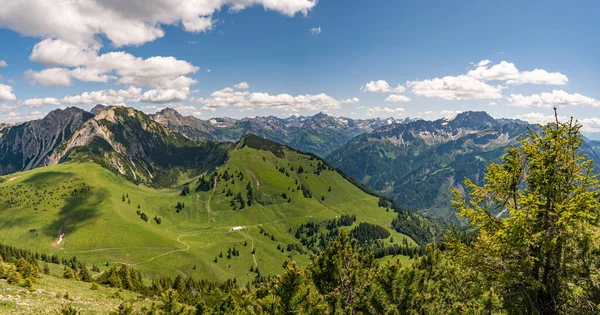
{"x": 289, "y": 67}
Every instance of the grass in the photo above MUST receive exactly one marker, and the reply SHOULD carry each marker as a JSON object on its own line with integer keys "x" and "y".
{"x": 85, "y": 202}
{"x": 52, "y": 292}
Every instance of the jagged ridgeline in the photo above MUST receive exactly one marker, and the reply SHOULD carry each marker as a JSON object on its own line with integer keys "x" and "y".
{"x": 29, "y": 145}
{"x": 122, "y": 139}
{"x": 320, "y": 134}
{"x": 417, "y": 163}
{"x": 139, "y": 148}
{"x": 128, "y": 190}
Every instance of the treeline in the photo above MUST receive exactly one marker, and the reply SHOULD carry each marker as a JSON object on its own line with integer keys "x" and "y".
{"x": 12, "y": 254}
{"x": 20, "y": 267}
{"x": 368, "y": 232}
{"x": 370, "y": 237}
{"x": 421, "y": 229}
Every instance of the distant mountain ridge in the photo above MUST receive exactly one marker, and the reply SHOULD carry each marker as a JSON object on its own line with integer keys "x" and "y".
{"x": 417, "y": 163}
{"x": 320, "y": 134}
{"x": 414, "y": 162}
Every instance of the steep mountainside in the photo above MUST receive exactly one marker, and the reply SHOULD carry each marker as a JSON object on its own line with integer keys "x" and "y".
{"x": 134, "y": 145}
{"x": 264, "y": 204}
{"x": 417, "y": 163}
{"x": 29, "y": 145}
{"x": 3, "y": 128}
{"x": 319, "y": 134}
{"x": 189, "y": 126}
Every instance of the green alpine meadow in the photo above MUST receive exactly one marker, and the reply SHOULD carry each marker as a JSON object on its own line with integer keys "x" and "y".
{"x": 256, "y": 226}
{"x": 293, "y": 157}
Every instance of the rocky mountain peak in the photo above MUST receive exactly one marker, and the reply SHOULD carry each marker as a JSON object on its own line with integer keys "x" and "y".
{"x": 473, "y": 120}
{"x": 98, "y": 108}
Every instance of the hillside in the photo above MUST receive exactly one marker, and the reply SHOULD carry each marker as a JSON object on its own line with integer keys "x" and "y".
{"x": 134, "y": 145}
{"x": 284, "y": 203}
{"x": 52, "y": 292}
{"x": 320, "y": 134}
{"x": 29, "y": 145}
{"x": 417, "y": 163}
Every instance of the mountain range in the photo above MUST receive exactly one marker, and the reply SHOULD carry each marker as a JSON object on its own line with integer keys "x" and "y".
{"x": 418, "y": 162}
{"x": 320, "y": 134}
{"x": 117, "y": 180}
{"x": 414, "y": 162}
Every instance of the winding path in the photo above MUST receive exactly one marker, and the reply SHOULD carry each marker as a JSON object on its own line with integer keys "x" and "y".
{"x": 254, "y": 176}
{"x": 187, "y": 247}
{"x": 251, "y": 239}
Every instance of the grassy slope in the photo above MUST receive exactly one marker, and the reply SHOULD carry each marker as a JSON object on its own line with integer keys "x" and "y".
{"x": 49, "y": 296}
{"x": 100, "y": 227}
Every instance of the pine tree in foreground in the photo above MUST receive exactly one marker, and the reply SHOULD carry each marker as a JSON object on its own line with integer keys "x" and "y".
{"x": 537, "y": 221}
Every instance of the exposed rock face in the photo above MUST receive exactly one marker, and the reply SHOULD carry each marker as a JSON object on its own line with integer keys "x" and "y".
{"x": 188, "y": 126}
{"x": 98, "y": 108}
{"x": 134, "y": 145}
{"x": 29, "y": 145}
{"x": 3, "y": 129}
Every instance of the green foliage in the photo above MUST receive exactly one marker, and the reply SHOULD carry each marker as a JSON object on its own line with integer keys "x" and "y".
{"x": 171, "y": 304}
{"x": 84, "y": 274}
{"x": 122, "y": 277}
{"x": 26, "y": 269}
{"x": 125, "y": 309}
{"x": 541, "y": 249}
{"x": 97, "y": 218}
{"x": 420, "y": 173}
{"x": 46, "y": 268}
{"x": 341, "y": 274}
{"x": 367, "y": 232}
{"x": 185, "y": 190}
{"x": 70, "y": 273}
{"x": 532, "y": 249}
{"x": 259, "y": 143}
{"x": 67, "y": 309}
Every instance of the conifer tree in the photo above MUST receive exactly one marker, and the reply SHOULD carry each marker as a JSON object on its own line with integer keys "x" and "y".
{"x": 537, "y": 218}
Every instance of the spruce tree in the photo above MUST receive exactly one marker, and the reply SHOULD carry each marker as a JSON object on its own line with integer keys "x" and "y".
{"x": 537, "y": 222}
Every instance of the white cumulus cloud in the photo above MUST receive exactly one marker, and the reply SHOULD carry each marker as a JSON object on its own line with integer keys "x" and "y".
{"x": 507, "y": 71}
{"x": 502, "y": 71}
{"x": 107, "y": 97}
{"x": 556, "y": 98}
{"x": 125, "y": 22}
{"x": 8, "y": 107}
{"x": 396, "y": 98}
{"x": 17, "y": 117}
{"x": 50, "y": 77}
{"x": 379, "y": 86}
{"x": 455, "y": 88}
{"x": 353, "y": 100}
{"x": 69, "y": 61}
{"x": 590, "y": 124}
{"x": 242, "y": 86}
{"x": 259, "y": 100}
{"x": 373, "y": 111}
{"x": 540, "y": 76}
{"x": 163, "y": 96}
{"x": 37, "y": 102}
{"x": 6, "y": 93}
